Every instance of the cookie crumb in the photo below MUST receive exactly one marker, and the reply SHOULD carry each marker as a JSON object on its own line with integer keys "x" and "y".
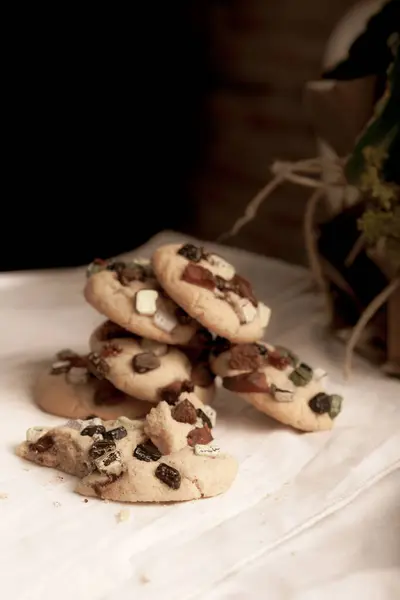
{"x": 123, "y": 515}
{"x": 86, "y": 500}
{"x": 56, "y": 504}
{"x": 3, "y": 496}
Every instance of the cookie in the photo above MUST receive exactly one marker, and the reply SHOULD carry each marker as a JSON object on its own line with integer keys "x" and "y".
{"x": 209, "y": 290}
{"x": 67, "y": 389}
{"x": 145, "y": 368}
{"x": 115, "y": 460}
{"x": 276, "y": 382}
{"x": 129, "y": 294}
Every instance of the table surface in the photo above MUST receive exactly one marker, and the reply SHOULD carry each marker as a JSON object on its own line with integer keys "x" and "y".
{"x": 310, "y": 516}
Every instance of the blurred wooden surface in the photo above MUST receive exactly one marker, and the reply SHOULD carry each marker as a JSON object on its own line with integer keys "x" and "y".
{"x": 261, "y": 52}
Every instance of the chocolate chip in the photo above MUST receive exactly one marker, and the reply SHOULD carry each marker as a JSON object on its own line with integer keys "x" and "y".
{"x": 182, "y": 317}
{"x": 202, "y": 415}
{"x": 110, "y": 349}
{"x": 320, "y": 403}
{"x": 112, "y": 457}
{"x": 147, "y": 452}
{"x": 44, "y": 443}
{"x": 116, "y": 434}
{"x": 247, "y": 383}
{"x": 220, "y": 346}
{"x": 199, "y": 435}
{"x": 247, "y": 357}
{"x": 191, "y": 252}
{"x": 184, "y": 412}
{"x": 301, "y": 375}
{"x": 199, "y": 276}
{"x": 168, "y": 475}
{"x": 202, "y": 375}
{"x": 336, "y": 405}
{"x": 101, "y": 447}
{"x": 92, "y": 429}
{"x": 97, "y": 365}
{"x": 144, "y": 362}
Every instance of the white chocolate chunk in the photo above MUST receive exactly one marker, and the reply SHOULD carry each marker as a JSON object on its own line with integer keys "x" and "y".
{"x": 110, "y": 463}
{"x": 77, "y": 375}
{"x": 146, "y": 302}
{"x": 34, "y": 433}
{"x": 60, "y": 364}
{"x": 207, "y": 449}
{"x": 264, "y": 314}
{"x": 282, "y": 395}
{"x": 319, "y": 374}
{"x": 242, "y": 307}
{"x": 156, "y": 348}
{"x": 94, "y": 421}
{"x": 165, "y": 320}
{"x": 225, "y": 269}
{"x": 211, "y": 414}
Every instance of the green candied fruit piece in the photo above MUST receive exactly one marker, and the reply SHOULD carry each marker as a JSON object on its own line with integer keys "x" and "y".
{"x": 96, "y": 266}
{"x": 294, "y": 359}
{"x": 301, "y": 375}
{"x": 336, "y": 405}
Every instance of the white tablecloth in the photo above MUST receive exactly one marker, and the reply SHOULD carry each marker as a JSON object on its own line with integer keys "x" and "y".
{"x": 310, "y": 516}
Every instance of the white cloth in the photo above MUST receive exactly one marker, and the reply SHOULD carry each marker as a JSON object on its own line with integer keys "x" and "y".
{"x": 310, "y": 516}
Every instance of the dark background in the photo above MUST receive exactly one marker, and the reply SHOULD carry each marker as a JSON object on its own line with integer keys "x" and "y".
{"x": 124, "y": 124}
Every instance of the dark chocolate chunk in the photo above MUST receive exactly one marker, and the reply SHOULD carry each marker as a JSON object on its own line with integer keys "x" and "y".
{"x": 110, "y": 349}
{"x": 199, "y": 435}
{"x": 144, "y": 362}
{"x": 116, "y": 434}
{"x": 184, "y": 412}
{"x": 101, "y": 447}
{"x": 191, "y": 252}
{"x": 92, "y": 429}
{"x": 147, "y": 452}
{"x": 202, "y": 375}
{"x": 182, "y": 317}
{"x": 220, "y": 346}
{"x": 168, "y": 475}
{"x": 97, "y": 365}
{"x": 301, "y": 375}
{"x": 247, "y": 383}
{"x": 199, "y": 276}
{"x": 202, "y": 415}
{"x": 44, "y": 443}
{"x": 243, "y": 288}
{"x": 320, "y": 403}
{"x": 247, "y": 357}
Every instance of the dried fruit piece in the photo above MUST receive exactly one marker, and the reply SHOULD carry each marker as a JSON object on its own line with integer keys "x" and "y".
{"x": 168, "y": 475}
{"x": 336, "y": 405}
{"x": 205, "y": 418}
{"x": 199, "y": 435}
{"x": 184, "y": 412}
{"x": 247, "y": 357}
{"x": 278, "y": 361}
{"x": 145, "y": 362}
{"x": 110, "y": 349}
{"x": 191, "y": 252}
{"x": 116, "y": 434}
{"x": 91, "y": 430}
{"x": 247, "y": 383}
{"x": 301, "y": 375}
{"x": 200, "y": 276}
{"x": 101, "y": 447}
{"x": 320, "y": 403}
{"x": 207, "y": 449}
{"x": 202, "y": 375}
{"x": 147, "y": 451}
{"x": 97, "y": 365}
{"x": 43, "y": 443}
{"x": 243, "y": 288}
{"x": 165, "y": 320}
{"x": 291, "y": 356}
{"x": 146, "y": 302}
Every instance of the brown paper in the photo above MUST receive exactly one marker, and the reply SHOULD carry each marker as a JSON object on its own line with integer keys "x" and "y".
{"x": 339, "y": 110}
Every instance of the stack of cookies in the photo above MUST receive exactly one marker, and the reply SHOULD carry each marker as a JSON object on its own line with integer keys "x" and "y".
{"x": 173, "y": 324}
